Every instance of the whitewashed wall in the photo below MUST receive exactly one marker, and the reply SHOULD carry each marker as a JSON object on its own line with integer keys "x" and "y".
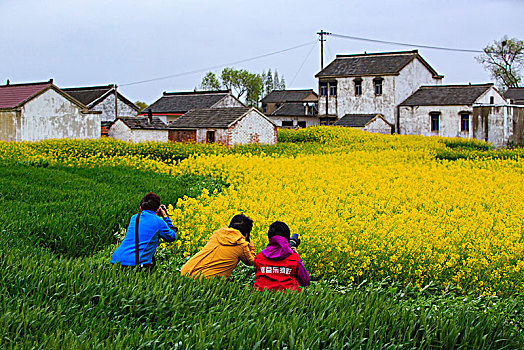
{"x": 120, "y": 131}
{"x": 395, "y": 89}
{"x": 310, "y": 121}
{"x": 416, "y": 120}
{"x": 379, "y": 126}
{"x": 107, "y": 107}
{"x": 228, "y": 101}
{"x": 52, "y": 116}
{"x": 253, "y": 128}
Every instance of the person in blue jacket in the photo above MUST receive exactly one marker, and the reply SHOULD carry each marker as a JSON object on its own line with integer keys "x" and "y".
{"x": 153, "y": 224}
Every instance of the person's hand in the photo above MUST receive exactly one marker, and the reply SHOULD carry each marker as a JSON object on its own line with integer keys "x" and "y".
{"x": 162, "y": 211}
{"x": 294, "y": 249}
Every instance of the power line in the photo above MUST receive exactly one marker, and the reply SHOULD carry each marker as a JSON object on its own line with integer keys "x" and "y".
{"x": 405, "y": 44}
{"x": 305, "y": 59}
{"x": 218, "y": 65}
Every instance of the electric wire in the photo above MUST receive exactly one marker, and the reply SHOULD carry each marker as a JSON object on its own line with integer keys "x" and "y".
{"x": 404, "y": 44}
{"x": 303, "y": 62}
{"x": 218, "y": 65}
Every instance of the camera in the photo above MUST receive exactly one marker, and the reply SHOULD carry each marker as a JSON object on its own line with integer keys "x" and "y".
{"x": 294, "y": 241}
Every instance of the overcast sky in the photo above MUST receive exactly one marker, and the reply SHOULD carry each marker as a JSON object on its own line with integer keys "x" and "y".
{"x": 94, "y": 42}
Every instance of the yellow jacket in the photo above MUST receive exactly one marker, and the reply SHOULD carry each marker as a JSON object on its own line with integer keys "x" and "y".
{"x": 220, "y": 255}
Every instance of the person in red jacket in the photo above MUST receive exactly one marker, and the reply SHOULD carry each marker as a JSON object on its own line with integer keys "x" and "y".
{"x": 279, "y": 267}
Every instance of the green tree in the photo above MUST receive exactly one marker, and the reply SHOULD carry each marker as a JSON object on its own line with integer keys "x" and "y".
{"x": 210, "y": 82}
{"x": 504, "y": 60}
{"x": 141, "y": 105}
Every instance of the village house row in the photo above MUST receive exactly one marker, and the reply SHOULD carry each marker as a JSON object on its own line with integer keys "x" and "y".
{"x": 389, "y": 92}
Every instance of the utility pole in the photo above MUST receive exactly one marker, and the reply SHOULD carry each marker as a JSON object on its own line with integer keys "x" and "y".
{"x": 116, "y": 102}
{"x": 321, "y": 39}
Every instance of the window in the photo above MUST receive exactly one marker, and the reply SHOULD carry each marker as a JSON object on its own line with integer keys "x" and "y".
{"x": 492, "y": 100}
{"x": 210, "y": 137}
{"x": 333, "y": 88}
{"x": 287, "y": 123}
{"x": 378, "y": 85}
{"x": 301, "y": 124}
{"x": 264, "y": 108}
{"x": 464, "y": 122}
{"x": 323, "y": 89}
{"x": 434, "y": 121}
{"x": 358, "y": 86}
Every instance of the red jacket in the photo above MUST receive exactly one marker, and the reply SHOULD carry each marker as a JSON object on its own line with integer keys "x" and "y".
{"x": 277, "y": 274}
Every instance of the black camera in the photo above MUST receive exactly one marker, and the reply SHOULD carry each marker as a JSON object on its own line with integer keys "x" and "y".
{"x": 294, "y": 241}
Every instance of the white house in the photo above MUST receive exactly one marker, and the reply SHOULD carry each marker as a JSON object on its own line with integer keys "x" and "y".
{"x": 291, "y": 108}
{"x": 469, "y": 111}
{"x": 227, "y": 126}
{"x": 139, "y": 129}
{"x": 368, "y": 122}
{"x": 371, "y": 83}
{"x": 38, "y": 111}
{"x": 172, "y": 105}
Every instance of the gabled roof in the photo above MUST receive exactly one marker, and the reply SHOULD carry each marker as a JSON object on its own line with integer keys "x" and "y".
{"x": 446, "y": 95}
{"x": 220, "y": 118}
{"x": 142, "y": 123}
{"x": 278, "y": 96}
{"x": 292, "y": 109}
{"x": 92, "y": 95}
{"x": 515, "y": 94}
{"x": 356, "y": 120}
{"x": 182, "y": 102}
{"x": 14, "y": 95}
{"x": 382, "y": 63}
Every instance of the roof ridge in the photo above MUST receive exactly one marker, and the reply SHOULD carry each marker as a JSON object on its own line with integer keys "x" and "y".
{"x": 457, "y": 85}
{"x": 50, "y": 81}
{"x": 208, "y": 92}
{"x": 366, "y": 54}
{"x": 89, "y": 87}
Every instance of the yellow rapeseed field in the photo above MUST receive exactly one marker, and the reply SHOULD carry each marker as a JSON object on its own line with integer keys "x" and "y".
{"x": 365, "y": 206}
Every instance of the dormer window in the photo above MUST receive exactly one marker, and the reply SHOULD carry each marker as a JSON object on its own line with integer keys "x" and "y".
{"x": 377, "y": 82}
{"x": 358, "y": 86}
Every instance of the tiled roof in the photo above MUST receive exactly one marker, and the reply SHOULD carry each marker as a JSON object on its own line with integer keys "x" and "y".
{"x": 182, "y": 102}
{"x": 515, "y": 94}
{"x": 383, "y": 63}
{"x": 90, "y": 94}
{"x": 87, "y": 95}
{"x": 355, "y": 120}
{"x": 220, "y": 118}
{"x": 292, "y": 109}
{"x": 13, "y": 95}
{"x": 141, "y": 123}
{"x": 446, "y": 95}
{"x": 278, "y": 96}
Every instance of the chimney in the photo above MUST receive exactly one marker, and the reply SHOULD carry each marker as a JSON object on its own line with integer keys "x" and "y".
{"x": 150, "y": 117}
{"x": 51, "y": 81}
{"x": 7, "y": 82}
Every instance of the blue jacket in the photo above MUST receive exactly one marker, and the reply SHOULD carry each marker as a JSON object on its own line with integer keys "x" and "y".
{"x": 150, "y": 228}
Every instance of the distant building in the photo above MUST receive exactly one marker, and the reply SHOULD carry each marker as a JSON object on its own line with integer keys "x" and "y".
{"x": 173, "y": 105}
{"x": 227, "y": 126}
{"x": 468, "y": 111}
{"x": 38, "y": 111}
{"x": 515, "y": 96}
{"x": 291, "y": 108}
{"x": 139, "y": 129}
{"x": 371, "y": 83}
{"x": 367, "y": 122}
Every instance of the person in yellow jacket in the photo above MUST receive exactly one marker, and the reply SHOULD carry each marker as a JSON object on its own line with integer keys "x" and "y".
{"x": 226, "y": 247}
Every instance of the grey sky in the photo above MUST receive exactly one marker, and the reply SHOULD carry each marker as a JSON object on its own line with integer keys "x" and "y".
{"x": 81, "y": 43}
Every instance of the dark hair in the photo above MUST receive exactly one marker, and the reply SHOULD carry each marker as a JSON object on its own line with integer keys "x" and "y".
{"x": 150, "y": 201}
{"x": 242, "y": 223}
{"x": 278, "y": 228}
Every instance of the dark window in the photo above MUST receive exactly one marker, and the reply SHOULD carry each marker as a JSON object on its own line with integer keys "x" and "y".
{"x": 327, "y": 121}
{"x": 358, "y": 86}
{"x": 287, "y": 123}
{"x": 333, "y": 88}
{"x": 323, "y": 89}
{"x": 464, "y": 121}
{"x": 491, "y": 100}
{"x": 301, "y": 124}
{"x": 435, "y": 121}
{"x": 378, "y": 86}
{"x": 264, "y": 108}
{"x": 210, "y": 136}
